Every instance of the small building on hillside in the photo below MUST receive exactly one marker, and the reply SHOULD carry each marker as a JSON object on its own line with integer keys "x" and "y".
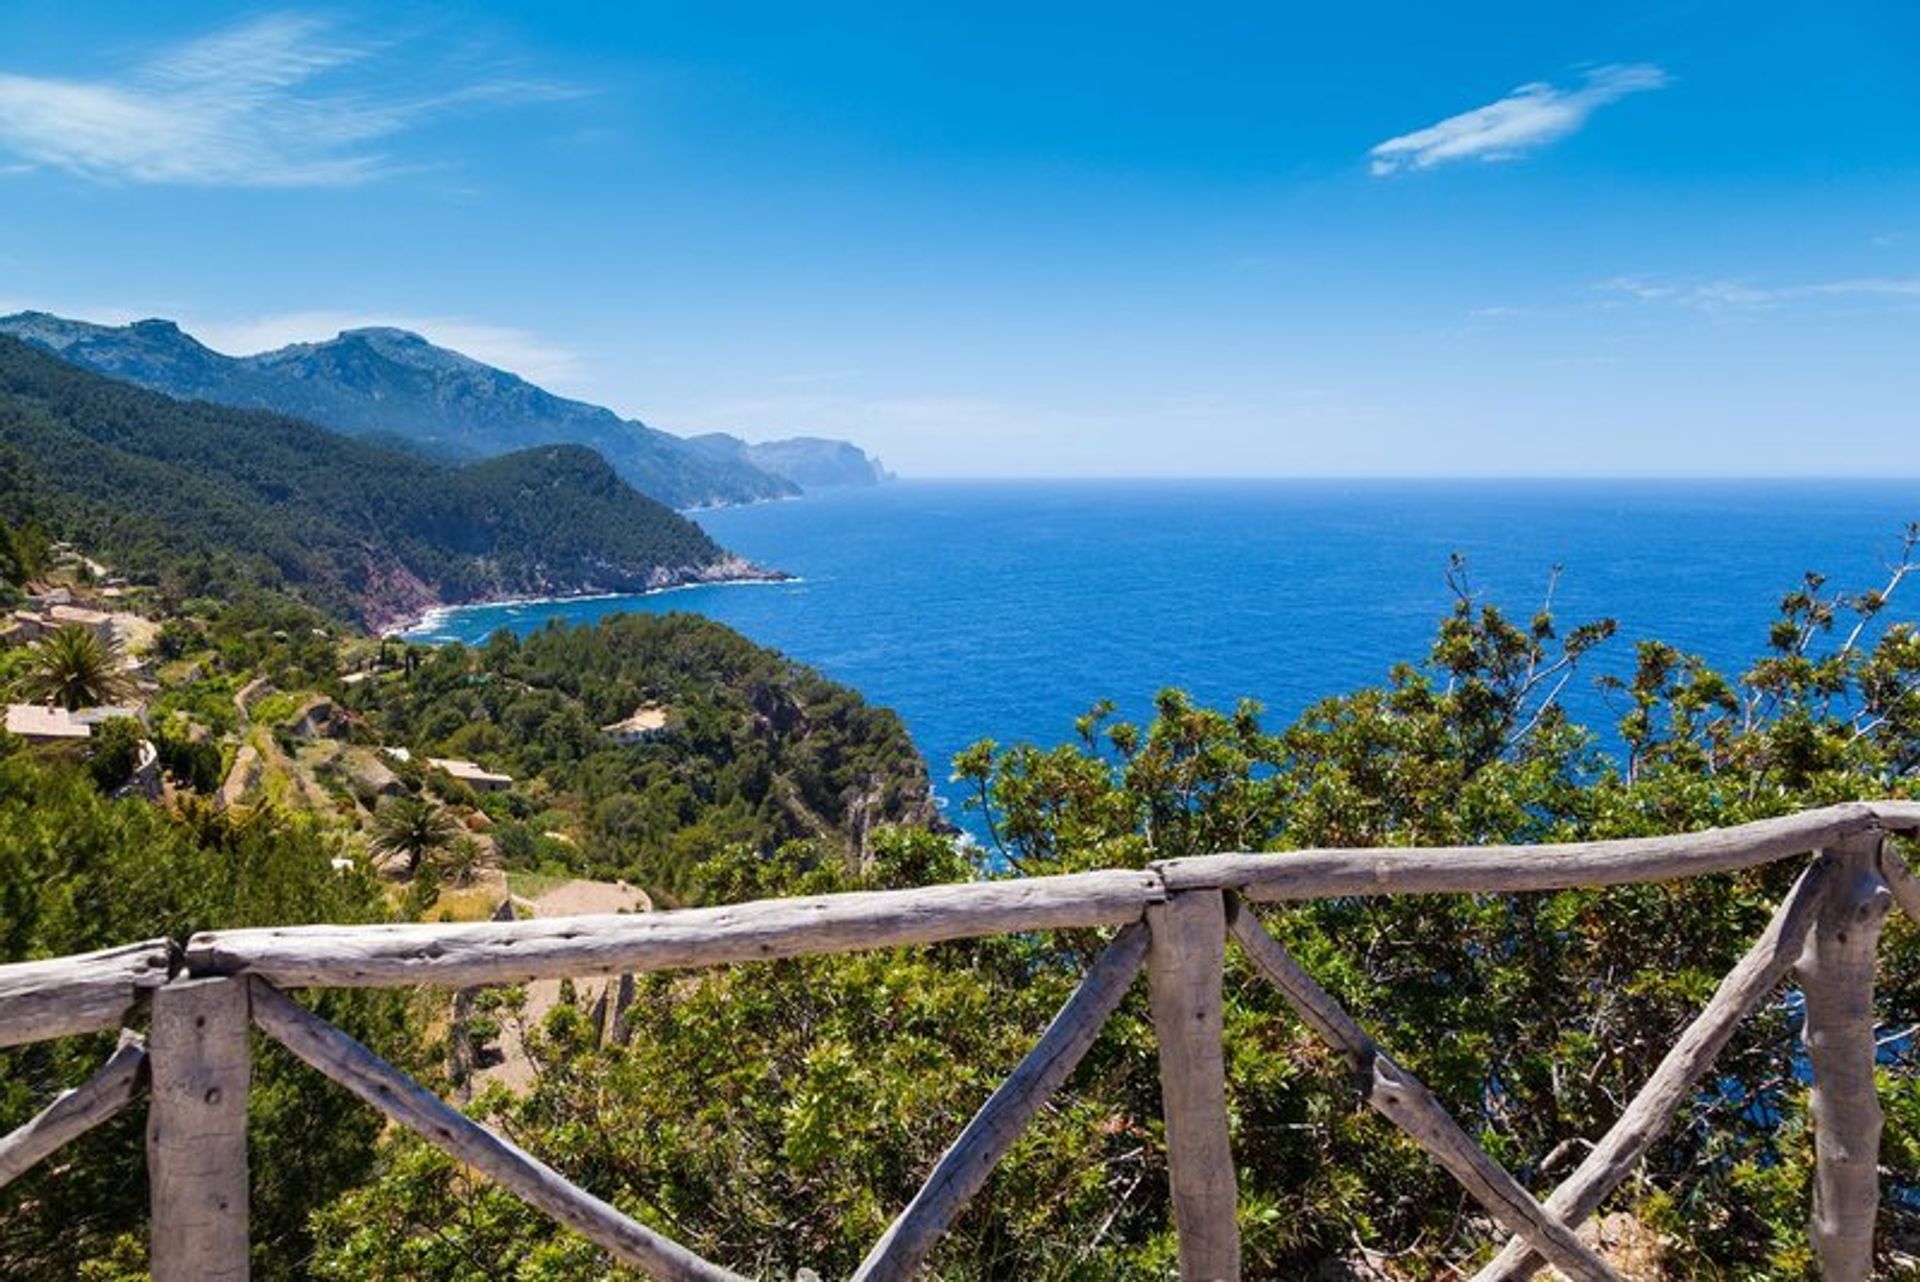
{"x": 478, "y": 778}
{"x": 649, "y": 721}
{"x": 39, "y": 723}
{"x": 98, "y": 622}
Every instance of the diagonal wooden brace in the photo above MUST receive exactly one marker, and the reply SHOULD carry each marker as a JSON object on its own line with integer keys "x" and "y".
{"x": 1401, "y": 1098}
{"x": 1008, "y": 1112}
{"x": 1652, "y": 1111}
{"x": 334, "y": 1054}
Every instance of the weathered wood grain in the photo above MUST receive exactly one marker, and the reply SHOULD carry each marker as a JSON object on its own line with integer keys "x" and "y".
{"x": 1401, "y": 1097}
{"x": 514, "y": 952}
{"x": 1836, "y": 975}
{"x": 1185, "y": 971}
{"x": 1320, "y": 874}
{"x": 339, "y": 1057}
{"x": 460, "y": 1053}
{"x": 622, "y": 1030}
{"x": 1647, "y": 1117}
{"x": 197, "y": 1131}
{"x": 73, "y": 1113}
{"x": 1897, "y": 816}
{"x": 964, "y": 1168}
{"x": 82, "y": 994}
{"x": 1901, "y": 881}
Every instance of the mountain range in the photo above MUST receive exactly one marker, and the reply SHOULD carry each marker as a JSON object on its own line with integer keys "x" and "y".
{"x": 394, "y": 384}
{"x": 208, "y": 500}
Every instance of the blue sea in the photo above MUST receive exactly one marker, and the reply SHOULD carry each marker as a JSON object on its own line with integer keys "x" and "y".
{"x": 1003, "y": 610}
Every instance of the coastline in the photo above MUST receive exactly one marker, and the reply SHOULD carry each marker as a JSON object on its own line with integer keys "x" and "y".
{"x": 411, "y": 628}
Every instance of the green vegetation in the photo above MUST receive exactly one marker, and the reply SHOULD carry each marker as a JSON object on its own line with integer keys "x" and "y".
{"x": 776, "y": 1116}
{"x": 114, "y": 751}
{"x": 414, "y": 829}
{"x": 208, "y": 501}
{"x": 532, "y": 885}
{"x": 23, "y": 552}
{"x": 73, "y": 668}
{"x": 80, "y": 872}
{"x": 762, "y": 750}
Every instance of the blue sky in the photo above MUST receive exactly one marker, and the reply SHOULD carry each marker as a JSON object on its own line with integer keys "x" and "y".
{"x": 986, "y": 239}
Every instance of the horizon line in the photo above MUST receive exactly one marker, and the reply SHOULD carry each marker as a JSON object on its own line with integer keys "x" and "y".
{"x": 1876, "y": 478}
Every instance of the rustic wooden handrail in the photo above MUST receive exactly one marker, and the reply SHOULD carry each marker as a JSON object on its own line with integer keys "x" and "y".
{"x": 1174, "y": 919}
{"x": 512, "y": 952}
{"x": 1479, "y": 870}
{"x": 459, "y": 954}
{"x": 85, "y": 994}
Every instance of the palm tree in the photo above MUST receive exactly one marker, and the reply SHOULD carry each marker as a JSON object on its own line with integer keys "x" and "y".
{"x": 75, "y": 668}
{"x": 414, "y": 827}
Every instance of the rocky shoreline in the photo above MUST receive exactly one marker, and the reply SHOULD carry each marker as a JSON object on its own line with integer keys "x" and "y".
{"x": 424, "y": 616}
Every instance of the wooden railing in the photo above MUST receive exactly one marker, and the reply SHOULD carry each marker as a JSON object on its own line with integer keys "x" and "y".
{"x": 1173, "y": 920}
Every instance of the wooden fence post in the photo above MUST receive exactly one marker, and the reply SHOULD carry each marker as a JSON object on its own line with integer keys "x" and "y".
{"x": 460, "y": 1055}
{"x": 1836, "y": 976}
{"x": 622, "y": 1031}
{"x": 197, "y": 1130}
{"x": 1185, "y": 970}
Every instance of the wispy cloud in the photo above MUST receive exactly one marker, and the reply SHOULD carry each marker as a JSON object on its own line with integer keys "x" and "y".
{"x": 1734, "y": 295}
{"x": 533, "y": 358}
{"x": 1525, "y": 120}
{"x": 278, "y": 101}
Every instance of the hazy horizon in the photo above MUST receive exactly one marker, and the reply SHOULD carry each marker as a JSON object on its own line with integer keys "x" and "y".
{"x": 999, "y": 243}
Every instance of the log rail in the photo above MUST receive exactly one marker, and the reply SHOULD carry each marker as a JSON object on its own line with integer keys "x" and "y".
{"x": 1173, "y": 921}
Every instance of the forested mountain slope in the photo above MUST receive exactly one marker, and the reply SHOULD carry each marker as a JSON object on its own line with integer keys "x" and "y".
{"x": 205, "y": 496}
{"x": 395, "y": 384}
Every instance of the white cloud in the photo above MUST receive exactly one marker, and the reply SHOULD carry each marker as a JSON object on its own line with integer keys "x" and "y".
{"x": 1881, "y": 286}
{"x": 243, "y": 107}
{"x": 533, "y": 358}
{"x": 1528, "y": 118}
{"x": 1733, "y": 295}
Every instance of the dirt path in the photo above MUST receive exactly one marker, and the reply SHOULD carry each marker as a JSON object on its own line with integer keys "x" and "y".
{"x": 244, "y": 695}
{"x": 569, "y": 899}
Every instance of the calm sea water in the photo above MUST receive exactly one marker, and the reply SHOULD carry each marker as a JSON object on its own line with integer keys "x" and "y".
{"x": 1006, "y": 609}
